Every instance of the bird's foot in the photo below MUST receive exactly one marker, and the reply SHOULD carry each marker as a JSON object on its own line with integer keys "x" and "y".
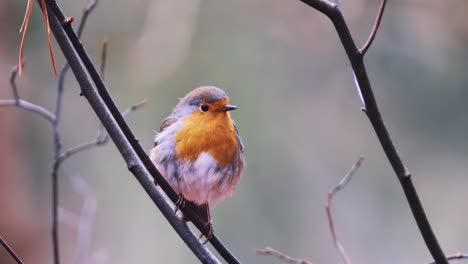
{"x": 208, "y": 227}
{"x": 180, "y": 203}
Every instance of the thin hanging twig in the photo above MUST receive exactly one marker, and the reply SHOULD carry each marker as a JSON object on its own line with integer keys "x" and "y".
{"x": 10, "y": 251}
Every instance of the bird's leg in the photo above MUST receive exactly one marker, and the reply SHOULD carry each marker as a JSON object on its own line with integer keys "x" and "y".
{"x": 208, "y": 226}
{"x": 180, "y": 203}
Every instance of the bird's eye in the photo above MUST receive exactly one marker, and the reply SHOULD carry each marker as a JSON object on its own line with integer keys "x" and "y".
{"x": 204, "y": 108}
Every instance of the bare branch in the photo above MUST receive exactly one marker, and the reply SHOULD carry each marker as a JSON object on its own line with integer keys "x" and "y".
{"x": 457, "y": 256}
{"x": 100, "y": 139}
{"x": 83, "y": 68}
{"x": 57, "y": 137}
{"x": 124, "y": 139}
{"x": 268, "y": 251}
{"x": 86, "y": 11}
{"x": 39, "y": 110}
{"x": 10, "y": 251}
{"x": 375, "y": 28}
{"x": 23, "y": 30}
{"x": 18, "y": 102}
{"x": 373, "y": 113}
{"x": 14, "y": 88}
{"x": 329, "y": 203}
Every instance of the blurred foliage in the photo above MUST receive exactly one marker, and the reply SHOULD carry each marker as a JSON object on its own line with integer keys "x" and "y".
{"x": 299, "y": 117}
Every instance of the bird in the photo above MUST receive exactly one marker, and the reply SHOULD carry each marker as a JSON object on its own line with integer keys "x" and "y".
{"x": 199, "y": 152}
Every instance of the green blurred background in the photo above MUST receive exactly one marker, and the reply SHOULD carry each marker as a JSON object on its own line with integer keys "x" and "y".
{"x": 299, "y": 116}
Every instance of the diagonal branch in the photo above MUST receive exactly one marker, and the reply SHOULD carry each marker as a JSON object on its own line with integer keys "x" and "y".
{"x": 328, "y": 207}
{"x": 373, "y": 113}
{"x": 10, "y": 251}
{"x": 375, "y": 28}
{"x": 121, "y": 133}
{"x": 77, "y": 61}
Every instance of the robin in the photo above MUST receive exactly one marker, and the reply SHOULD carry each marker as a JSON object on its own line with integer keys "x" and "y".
{"x": 199, "y": 151}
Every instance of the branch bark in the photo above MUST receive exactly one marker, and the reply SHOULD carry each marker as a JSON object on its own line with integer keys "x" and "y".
{"x": 356, "y": 58}
{"x": 10, "y": 251}
{"x": 137, "y": 160}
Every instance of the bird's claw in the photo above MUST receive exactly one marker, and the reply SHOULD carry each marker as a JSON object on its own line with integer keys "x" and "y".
{"x": 210, "y": 228}
{"x": 180, "y": 203}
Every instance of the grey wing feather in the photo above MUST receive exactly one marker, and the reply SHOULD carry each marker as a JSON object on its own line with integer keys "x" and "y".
{"x": 239, "y": 141}
{"x": 165, "y": 123}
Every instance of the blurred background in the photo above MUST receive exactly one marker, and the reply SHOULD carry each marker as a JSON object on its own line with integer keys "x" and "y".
{"x": 299, "y": 116}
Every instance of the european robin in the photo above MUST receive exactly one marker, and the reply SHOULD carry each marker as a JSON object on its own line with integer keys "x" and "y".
{"x": 199, "y": 151}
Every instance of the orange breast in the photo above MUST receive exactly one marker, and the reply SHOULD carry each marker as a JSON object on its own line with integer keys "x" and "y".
{"x": 207, "y": 132}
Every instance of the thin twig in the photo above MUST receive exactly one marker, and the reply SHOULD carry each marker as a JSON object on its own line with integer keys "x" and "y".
{"x": 373, "y": 113}
{"x": 375, "y": 28}
{"x": 86, "y": 11}
{"x": 39, "y": 110}
{"x": 26, "y": 105}
{"x": 101, "y": 139}
{"x": 23, "y": 30}
{"x": 14, "y": 88}
{"x": 57, "y": 137}
{"x": 49, "y": 41}
{"x": 457, "y": 256}
{"x": 268, "y": 251}
{"x": 329, "y": 203}
{"x": 10, "y": 251}
{"x": 77, "y": 54}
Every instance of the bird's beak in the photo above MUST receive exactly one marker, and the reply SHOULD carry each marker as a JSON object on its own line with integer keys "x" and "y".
{"x": 228, "y": 108}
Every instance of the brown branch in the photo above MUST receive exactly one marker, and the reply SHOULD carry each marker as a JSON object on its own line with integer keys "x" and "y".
{"x": 375, "y": 28}
{"x": 268, "y": 251}
{"x": 373, "y": 113}
{"x": 23, "y": 30}
{"x": 10, "y": 251}
{"x": 329, "y": 204}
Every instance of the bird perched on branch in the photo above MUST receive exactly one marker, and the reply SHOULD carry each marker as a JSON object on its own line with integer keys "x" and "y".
{"x": 199, "y": 151}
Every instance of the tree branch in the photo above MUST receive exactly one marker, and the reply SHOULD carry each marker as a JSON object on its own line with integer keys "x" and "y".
{"x": 375, "y": 28}
{"x": 57, "y": 137}
{"x": 10, "y": 251}
{"x": 74, "y": 51}
{"x": 26, "y": 105}
{"x": 77, "y": 64}
{"x": 373, "y": 113}
{"x": 329, "y": 203}
{"x": 101, "y": 139}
